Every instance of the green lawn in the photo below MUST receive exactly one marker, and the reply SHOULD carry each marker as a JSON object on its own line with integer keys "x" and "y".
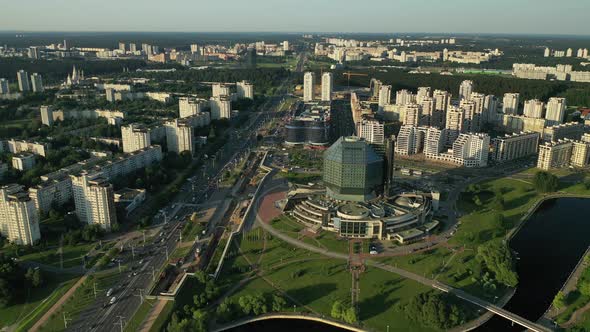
{"x": 37, "y": 301}
{"x": 428, "y": 263}
{"x": 325, "y": 240}
{"x": 180, "y": 252}
{"x": 72, "y": 256}
{"x": 162, "y": 319}
{"x": 140, "y": 315}
{"x": 82, "y": 297}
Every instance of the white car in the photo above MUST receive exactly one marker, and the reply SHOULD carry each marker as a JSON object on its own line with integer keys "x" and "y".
{"x": 113, "y": 300}
{"x": 109, "y": 292}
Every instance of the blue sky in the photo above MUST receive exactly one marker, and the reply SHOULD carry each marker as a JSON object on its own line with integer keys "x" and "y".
{"x": 389, "y": 16}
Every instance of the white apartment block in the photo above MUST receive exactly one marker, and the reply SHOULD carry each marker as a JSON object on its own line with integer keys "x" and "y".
{"x": 179, "y": 136}
{"x": 327, "y": 86}
{"x": 37, "y": 83}
{"x": 410, "y": 140}
{"x": 46, "y": 115}
{"x": 423, "y": 92}
{"x": 428, "y": 112}
{"x": 384, "y": 97}
{"x": 23, "y": 81}
{"x": 19, "y": 219}
{"x": 472, "y": 150}
{"x": 23, "y": 161}
{"x": 465, "y": 89}
{"x": 515, "y": 146}
{"x": 491, "y": 105}
{"x": 189, "y": 106}
{"x": 534, "y": 108}
{"x": 308, "y": 86}
{"x": 94, "y": 199}
{"x": 135, "y": 137}
{"x": 554, "y": 154}
{"x": 412, "y": 114}
{"x": 580, "y": 154}
{"x": 555, "y": 110}
{"x": 220, "y": 107}
{"x": 371, "y": 130}
{"x": 17, "y": 146}
{"x": 220, "y": 89}
{"x": 454, "y": 123}
{"x": 510, "y": 103}
{"x": 4, "y": 87}
{"x": 435, "y": 142}
{"x": 571, "y": 130}
{"x": 245, "y": 89}
{"x": 403, "y": 97}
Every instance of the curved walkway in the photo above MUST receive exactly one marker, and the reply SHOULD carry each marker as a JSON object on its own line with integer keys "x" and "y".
{"x": 310, "y": 317}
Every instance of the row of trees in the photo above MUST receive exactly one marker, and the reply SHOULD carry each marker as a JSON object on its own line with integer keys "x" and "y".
{"x": 339, "y": 311}
{"x": 14, "y": 281}
{"x": 545, "y": 182}
{"x": 434, "y": 310}
{"x": 248, "y": 305}
{"x": 497, "y": 259}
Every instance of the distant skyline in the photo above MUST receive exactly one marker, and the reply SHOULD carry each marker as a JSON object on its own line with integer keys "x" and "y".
{"x": 377, "y": 16}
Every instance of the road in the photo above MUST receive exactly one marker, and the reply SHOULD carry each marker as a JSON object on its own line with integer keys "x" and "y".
{"x": 99, "y": 316}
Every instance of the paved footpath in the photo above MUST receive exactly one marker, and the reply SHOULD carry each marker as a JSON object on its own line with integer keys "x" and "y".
{"x": 153, "y": 315}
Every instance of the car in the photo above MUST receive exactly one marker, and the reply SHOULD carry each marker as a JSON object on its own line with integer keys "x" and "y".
{"x": 113, "y": 300}
{"x": 110, "y": 292}
{"x": 135, "y": 273}
{"x": 141, "y": 262}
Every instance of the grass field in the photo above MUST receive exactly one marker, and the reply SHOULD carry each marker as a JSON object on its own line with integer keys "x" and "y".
{"x": 162, "y": 319}
{"x": 82, "y": 297}
{"x": 39, "y": 300}
{"x": 140, "y": 315}
{"x": 72, "y": 256}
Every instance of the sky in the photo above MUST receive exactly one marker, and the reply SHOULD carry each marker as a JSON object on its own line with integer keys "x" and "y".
{"x": 568, "y": 17}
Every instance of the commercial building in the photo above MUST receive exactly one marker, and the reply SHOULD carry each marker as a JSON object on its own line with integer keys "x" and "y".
{"x": 245, "y": 89}
{"x": 220, "y": 107}
{"x": 515, "y": 146}
{"x": 353, "y": 171}
{"x": 94, "y": 199}
{"x": 37, "y": 83}
{"x": 46, "y": 115}
{"x": 24, "y": 84}
{"x": 510, "y": 103}
{"x": 555, "y": 110}
{"x": 534, "y": 108}
{"x": 23, "y": 161}
{"x": 308, "y": 86}
{"x": 327, "y": 86}
{"x": 19, "y": 219}
{"x": 135, "y": 137}
{"x": 179, "y": 136}
{"x": 311, "y": 125}
{"x": 554, "y": 154}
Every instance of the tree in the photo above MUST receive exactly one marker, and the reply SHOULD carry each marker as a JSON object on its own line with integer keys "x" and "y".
{"x": 278, "y": 303}
{"x": 560, "y": 300}
{"x": 37, "y": 279}
{"x": 498, "y": 259}
{"x": 545, "y": 182}
{"x": 584, "y": 287}
{"x": 349, "y": 316}
{"x": 498, "y": 203}
{"x": 434, "y": 310}
{"x": 6, "y": 293}
{"x": 225, "y": 310}
{"x": 337, "y": 309}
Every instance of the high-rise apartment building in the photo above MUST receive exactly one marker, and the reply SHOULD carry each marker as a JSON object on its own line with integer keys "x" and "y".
{"x": 286, "y": 45}
{"x": 435, "y": 142}
{"x": 23, "y": 81}
{"x": 442, "y": 100}
{"x": 327, "y": 86}
{"x": 510, "y": 103}
{"x": 37, "y": 83}
{"x": 46, "y": 115}
{"x": 132, "y": 47}
{"x": 94, "y": 199}
{"x": 555, "y": 110}
{"x": 308, "y": 86}
{"x": 491, "y": 105}
{"x": 4, "y": 87}
{"x": 384, "y": 97}
{"x": 423, "y": 92}
{"x": 465, "y": 89}
{"x": 427, "y": 112}
{"x": 135, "y": 137}
{"x": 534, "y": 108}
{"x": 410, "y": 140}
{"x": 179, "y": 136}
{"x": 220, "y": 89}
{"x": 245, "y": 89}
{"x": 454, "y": 123}
{"x": 472, "y": 150}
{"x": 554, "y": 154}
{"x": 189, "y": 106}
{"x": 580, "y": 154}
{"x": 122, "y": 47}
{"x": 403, "y": 97}
{"x": 19, "y": 219}
{"x": 34, "y": 52}
{"x": 412, "y": 114}
{"x": 220, "y": 107}
{"x": 515, "y": 146}
{"x": 371, "y": 130}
